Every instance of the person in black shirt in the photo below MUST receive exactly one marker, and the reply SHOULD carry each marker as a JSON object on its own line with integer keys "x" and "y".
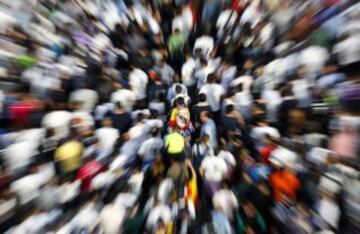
{"x": 121, "y": 119}
{"x": 36, "y": 116}
{"x": 201, "y": 106}
{"x": 155, "y": 87}
{"x": 232, "y": 121}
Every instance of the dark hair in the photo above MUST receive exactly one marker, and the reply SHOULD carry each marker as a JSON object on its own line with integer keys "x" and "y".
{"x": 154, "y": 131}
{"x": 119, "y": 105}
{"x": 140, "y": 117}
{"x": 161, "y": 96}
{"x": 207, "y": 114}
{"x": 202, "y": 97}
{"x": 240, "y": 87}
{"x": 203, "y": 61}
{"x": 153, "y": 114}
{"x": 180, "y": 101}
{"x": 178, "y": 88}
{"x": 229, "y": 108}
{"x": 211, "y": 78}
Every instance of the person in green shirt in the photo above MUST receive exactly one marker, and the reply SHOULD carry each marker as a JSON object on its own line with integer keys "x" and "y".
{"x": 27, "y": 60}
{"x": 176, "y": 42}
{"x": 135, "y": 222}
{"x": 249, "y": 218}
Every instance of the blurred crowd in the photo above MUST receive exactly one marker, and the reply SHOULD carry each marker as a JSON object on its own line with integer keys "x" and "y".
{"x": 179, "y": 116}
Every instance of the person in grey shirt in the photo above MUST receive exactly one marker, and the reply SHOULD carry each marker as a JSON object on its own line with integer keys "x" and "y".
{"x": 208, "y": 127}
{"x": 166, "y": 72}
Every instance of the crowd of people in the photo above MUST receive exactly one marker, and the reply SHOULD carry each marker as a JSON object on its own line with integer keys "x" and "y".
{"x": 179, "y": 116}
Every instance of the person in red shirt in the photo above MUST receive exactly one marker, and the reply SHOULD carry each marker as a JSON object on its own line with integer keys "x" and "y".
{"x": 88, "y": 171}
{"x": 20, "y": 111}
{"x": 270, "y": 146}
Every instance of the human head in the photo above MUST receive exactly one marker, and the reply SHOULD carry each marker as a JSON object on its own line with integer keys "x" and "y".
{"x": 76, "y": 105}
{"x": 229, "y": 108}
{"x": 203, "y": 62}
{"x": 119, "y": 106}
{"x": 259, "y": 71}
{"x": 331, "y": 66}
{"x": 140, "y": 117}
{"x": 202, "y": 97}
{"x": 180, "y": 101}
{"x": 204, "y": 116}
{"x": 154, "y": 132}
{"x": 106, "y": 122}
{"x": 249, "y": 208}
{"x": 205, "y": 138}
{"x": 248, "y": 64}
{"x": 178, "y": 89}
{"x": 161, "y": 62}
{"x": 302, "y": 71}
{"x": 211, "y": 78}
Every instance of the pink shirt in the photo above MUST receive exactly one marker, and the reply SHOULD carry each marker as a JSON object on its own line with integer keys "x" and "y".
{"x": 344, "y": 143}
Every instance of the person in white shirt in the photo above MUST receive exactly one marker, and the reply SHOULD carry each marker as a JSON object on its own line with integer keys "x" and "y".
{"x": 226, "y": 156}
{"x": 328, "y": 209}
{"x": 225, "y": 201}
{"x": 301, "y": 86}
{"x": 125, "y": 200}
{"x": 135, "y": 137}
{"x": 226, "y": 74}
{"x": 83, "y": 119}
{"x": 258, "y": 133}
{"x": 111, "y": 218}
{"x": 348, "y": 50}
{"x": 288, "y": 158}
{"x": 244, "y": 81}
{"x": 314, "y": 58}
{"x": 43, "y": 82}
{"x": 135, "y": 181}
{"x": 150, "y": 148}
{"x": 87, "y": 97}
{"x": 165, "y": 71}
{"x": 159, "y": 212}
{"x": 202, "y": 70}
{"x": 225, "y": 22}
{"x": 204, "y": 44}
{"x": 19, "y": 154}
{"x": 201, "y": 149}
{"x": 27, "y": 187}
{"x": 213, "y": 92}
{"x": 107, "y": 136}
{"x": 273, "y": 101}
{"x": 59, "y": 121}
{"x": 126, "y": 97}
{"x": 175, "y": 90}
{"x": 138, "y": 81}
{"x": 101, "y": 111}
{"x": 187, "y": 71}
{"x": 213, "y": 169}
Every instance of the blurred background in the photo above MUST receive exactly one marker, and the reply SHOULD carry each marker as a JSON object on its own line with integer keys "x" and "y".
{"x": 179, "y": 116}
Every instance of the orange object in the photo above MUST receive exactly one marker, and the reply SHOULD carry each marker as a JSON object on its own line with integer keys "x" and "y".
{"x": 284, "y": 184}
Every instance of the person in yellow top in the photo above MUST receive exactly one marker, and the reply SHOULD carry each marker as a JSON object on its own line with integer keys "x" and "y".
{"x": 68, "y": 156}
{"x": 175, "y": 145}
